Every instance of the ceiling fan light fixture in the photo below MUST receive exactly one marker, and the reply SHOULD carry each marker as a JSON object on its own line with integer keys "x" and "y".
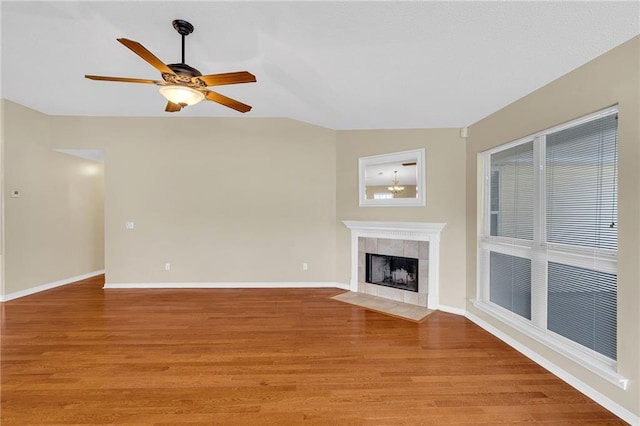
{"x": 181, "y": 95}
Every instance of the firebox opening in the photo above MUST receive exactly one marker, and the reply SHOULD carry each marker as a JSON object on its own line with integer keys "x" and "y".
{"x": 392, "y": 271}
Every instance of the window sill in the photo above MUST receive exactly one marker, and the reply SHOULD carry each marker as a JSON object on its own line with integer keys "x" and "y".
{"x": 604, "y": 369}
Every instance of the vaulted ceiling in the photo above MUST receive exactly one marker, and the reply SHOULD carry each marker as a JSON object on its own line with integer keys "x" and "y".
{"x": 342, "y": 65}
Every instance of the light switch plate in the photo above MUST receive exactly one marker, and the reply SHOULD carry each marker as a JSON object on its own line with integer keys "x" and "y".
{"x": 129, "y": 225}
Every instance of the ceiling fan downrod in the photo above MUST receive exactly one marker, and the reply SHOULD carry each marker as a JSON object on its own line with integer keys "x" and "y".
{"x": 184, "y": 72}
{"x": 183, "y": 28}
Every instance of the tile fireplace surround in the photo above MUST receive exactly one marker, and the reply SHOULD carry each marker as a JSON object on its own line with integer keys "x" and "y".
{"x": 409, "y": 239}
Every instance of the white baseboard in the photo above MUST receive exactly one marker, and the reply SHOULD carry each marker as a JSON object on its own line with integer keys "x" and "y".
{"x": 601, "y": 399}
{"x": 452, "y": 310}
{"x": 48, "y": 286}
{"x": 312, "y": 284}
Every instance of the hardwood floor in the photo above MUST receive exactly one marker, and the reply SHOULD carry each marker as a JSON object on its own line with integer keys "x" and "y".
{"x": 81, "y": 355}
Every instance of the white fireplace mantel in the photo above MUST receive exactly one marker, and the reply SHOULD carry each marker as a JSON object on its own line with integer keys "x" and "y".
{"x": 417, "y": 231}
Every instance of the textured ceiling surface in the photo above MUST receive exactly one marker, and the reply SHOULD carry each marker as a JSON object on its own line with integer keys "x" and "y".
{"x": 341, "y": 65}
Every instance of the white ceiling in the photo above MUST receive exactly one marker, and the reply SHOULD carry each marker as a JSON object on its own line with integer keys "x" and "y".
{"x": 342, "y": 65}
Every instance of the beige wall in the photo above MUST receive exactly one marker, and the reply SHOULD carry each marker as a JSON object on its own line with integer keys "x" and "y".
{"x": 445, "y": 174}
{"x": 607, "y": 80}
{"x": 54, "y": 231}
{"x": 210, "y": 196}
{"x": 221, "y": 199}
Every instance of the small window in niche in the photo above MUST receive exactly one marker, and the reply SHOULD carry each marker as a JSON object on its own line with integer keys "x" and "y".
{"x": 382, "y": 196}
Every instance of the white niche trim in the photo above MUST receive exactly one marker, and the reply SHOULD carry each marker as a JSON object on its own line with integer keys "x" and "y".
{"x": 415, "y": 231}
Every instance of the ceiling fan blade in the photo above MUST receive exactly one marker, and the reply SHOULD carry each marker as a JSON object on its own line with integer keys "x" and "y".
{"x": 122, "y": 79}
{"x": 228, "y": 102}
{"x": 142, "y": 51}
{"x": 171, "y": 107}
{"x": 228, "y": 78}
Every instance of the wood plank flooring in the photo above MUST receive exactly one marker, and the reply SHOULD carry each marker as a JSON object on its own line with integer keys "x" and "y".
{"x": 82, "y": 355}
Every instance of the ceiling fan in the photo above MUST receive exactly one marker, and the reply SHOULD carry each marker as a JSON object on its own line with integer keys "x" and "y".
{"x": 181, "y": 84}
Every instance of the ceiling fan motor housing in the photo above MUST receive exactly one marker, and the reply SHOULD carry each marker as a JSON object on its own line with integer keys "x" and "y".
{"x": 185, "y": 69}
{"x": 184, "y": 75}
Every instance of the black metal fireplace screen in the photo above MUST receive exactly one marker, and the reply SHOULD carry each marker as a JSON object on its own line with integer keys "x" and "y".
{"x": 392, "y": 271}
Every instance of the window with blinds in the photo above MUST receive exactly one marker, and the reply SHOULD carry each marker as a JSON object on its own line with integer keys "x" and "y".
{"x": 513, "y": 191}
{"x": 582, "y": 307}
{"x": 581, "y": 176}
{"x": 511, "y": 283}
{"x": 548, "y": 249}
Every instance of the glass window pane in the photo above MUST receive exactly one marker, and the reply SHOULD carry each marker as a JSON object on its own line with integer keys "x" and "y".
{"x": 512, "y": 191}
{"x": 582, "y": 203}
{"x": 582, "y": 307}
{"x": 495, "y": 191}
{"x": 495, "y": 219}
{"x": 510, "y": 283}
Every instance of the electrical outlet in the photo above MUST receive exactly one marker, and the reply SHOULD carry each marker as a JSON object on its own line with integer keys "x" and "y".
{"x": 305, "y": 266}
{"x": 167, "y": 266}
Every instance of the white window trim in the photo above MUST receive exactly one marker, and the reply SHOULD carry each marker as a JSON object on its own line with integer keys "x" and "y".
{"x": 540, "y": 253}
{"x": 602, "y": 113}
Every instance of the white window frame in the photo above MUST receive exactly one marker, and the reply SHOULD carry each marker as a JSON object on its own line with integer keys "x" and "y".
{"x": 540, "y": 253}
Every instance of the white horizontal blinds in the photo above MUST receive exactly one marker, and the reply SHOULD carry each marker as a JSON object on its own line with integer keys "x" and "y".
{"x": 494, "y": 202}
{"x": 582, "y": 307}
{"x": 510, "y": 283}
{"x": 582, "y": 211}
{"x": 581, "y": 185}
{"x": 513, "y": 171}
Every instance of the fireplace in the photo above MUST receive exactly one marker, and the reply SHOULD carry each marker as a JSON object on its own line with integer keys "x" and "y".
{"x": 417, "y": 241}
{"x": 392, "y": 271}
